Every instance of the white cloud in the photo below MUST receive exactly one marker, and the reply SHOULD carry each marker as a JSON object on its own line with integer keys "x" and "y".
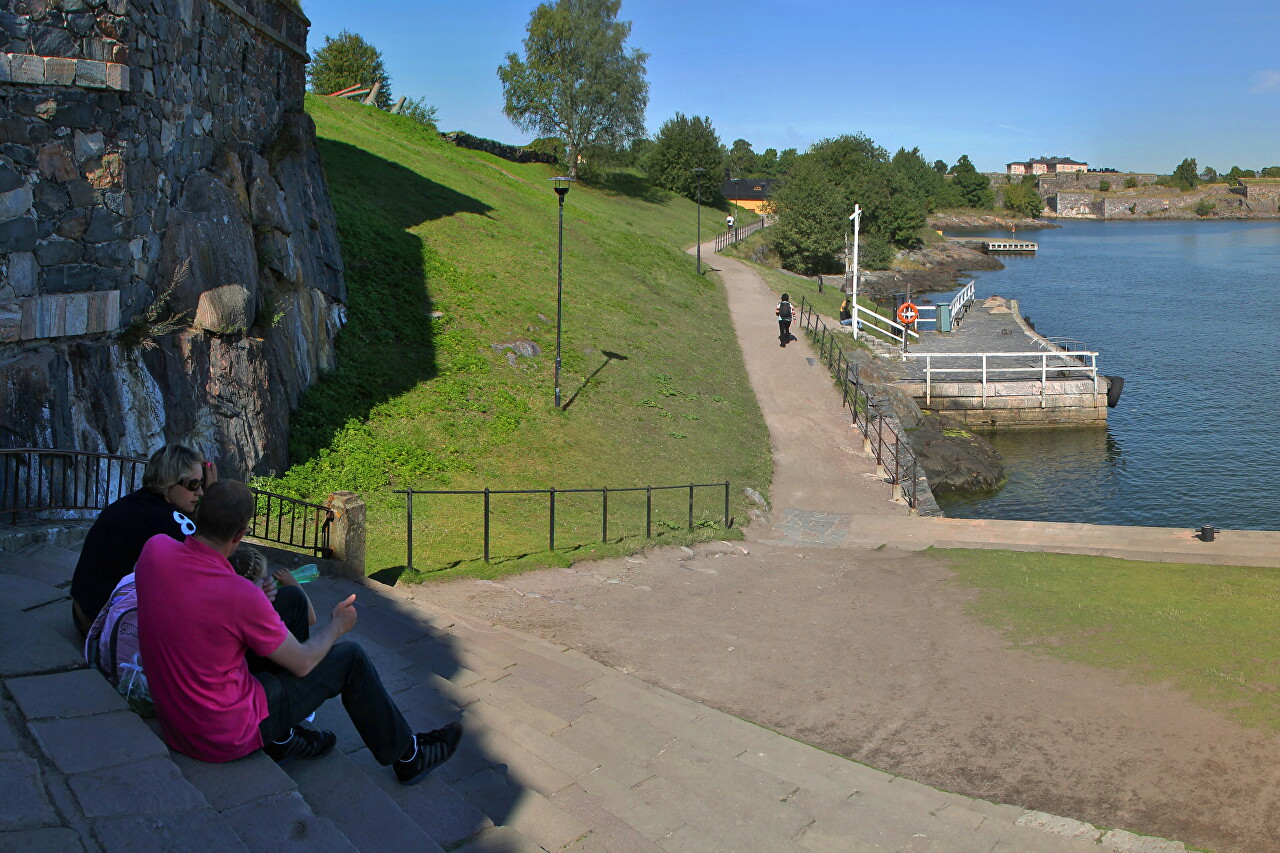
{"x": 1268, "y": 80}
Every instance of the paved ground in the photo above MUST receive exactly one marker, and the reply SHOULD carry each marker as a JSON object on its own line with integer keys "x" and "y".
{"x": 561, "y": 752}
{"x": 988, "y": 327}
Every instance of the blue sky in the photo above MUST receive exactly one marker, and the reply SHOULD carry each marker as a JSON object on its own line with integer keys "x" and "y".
{"x": 1131, "y": 85}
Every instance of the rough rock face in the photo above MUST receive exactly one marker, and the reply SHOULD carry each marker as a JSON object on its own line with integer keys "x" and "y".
{"x": 929, "y": 270}
{"x": 954, "y": 459}
{"x": 169, "y": 262}
{"x": 988, "y": 222}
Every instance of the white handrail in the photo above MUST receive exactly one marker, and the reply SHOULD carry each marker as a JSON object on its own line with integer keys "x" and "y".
{"x": 1072, "y": 360}
{"x": 893, "y": 325}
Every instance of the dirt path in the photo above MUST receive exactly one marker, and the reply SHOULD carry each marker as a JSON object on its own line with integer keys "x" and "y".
{"x": 871, "y": 653}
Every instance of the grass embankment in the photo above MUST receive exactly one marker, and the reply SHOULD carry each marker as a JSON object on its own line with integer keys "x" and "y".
{"x": 653, "y": 383}
{"x": 1208, "y": 630}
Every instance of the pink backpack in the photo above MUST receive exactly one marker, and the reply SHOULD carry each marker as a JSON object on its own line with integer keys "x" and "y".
{"x": 112, "y": 646}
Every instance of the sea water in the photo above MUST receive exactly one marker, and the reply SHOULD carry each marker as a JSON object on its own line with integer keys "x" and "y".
{"x": 1189, "y": 314}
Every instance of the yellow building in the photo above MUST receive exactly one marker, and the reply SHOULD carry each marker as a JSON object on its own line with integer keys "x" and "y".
{"x": 749, "y": 193}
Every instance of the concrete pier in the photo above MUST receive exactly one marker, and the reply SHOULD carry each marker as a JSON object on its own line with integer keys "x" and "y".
{"x": 993, "y": 371}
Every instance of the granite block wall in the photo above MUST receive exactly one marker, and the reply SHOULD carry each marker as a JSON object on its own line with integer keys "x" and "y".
{"x": 155, "y": 163}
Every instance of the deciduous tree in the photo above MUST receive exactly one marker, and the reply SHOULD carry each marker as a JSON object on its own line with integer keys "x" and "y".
{"x": 815, "y": 199}
{"x": 683, "y": 144}
{"x": 345, "y": 61}
{"x": 741, "y": 161}
{"x": 577, "y": 81}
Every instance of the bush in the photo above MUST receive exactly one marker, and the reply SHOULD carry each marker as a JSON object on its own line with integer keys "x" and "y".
{"x": 1104, "y": 186}
{"x": 420, "y": 111}
{"x": 1204, "y": 207}
{"x": 1130, "y": 183}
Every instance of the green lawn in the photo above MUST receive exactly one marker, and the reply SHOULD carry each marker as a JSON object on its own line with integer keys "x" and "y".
{"x": 1208, "y": 630}
{"x": 652, "y": 377}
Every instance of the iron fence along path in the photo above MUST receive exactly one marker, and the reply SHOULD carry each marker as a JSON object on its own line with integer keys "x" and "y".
{"x": 486, "y": 511}
{"x": 895, "y": 460}
{"x": 42, "y": 480}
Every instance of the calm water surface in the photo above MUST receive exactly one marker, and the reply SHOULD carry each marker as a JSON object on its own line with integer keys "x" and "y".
{"x": 1189, "y": 314}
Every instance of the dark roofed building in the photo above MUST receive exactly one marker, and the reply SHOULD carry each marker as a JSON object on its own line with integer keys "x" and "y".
{"x": 749, "y": 193}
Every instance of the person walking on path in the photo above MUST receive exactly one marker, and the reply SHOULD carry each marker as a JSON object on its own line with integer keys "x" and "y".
{"x": 728, "y": 221}
{"x": 197, "y": 619}
{"x": 784, "y": 313}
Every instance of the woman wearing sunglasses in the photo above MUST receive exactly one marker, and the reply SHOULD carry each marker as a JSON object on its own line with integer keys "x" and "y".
{"x": 172, "y": 485}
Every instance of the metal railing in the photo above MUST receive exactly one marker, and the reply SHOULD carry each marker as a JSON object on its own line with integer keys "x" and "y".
{"x": 551, "y": 494}
{"x": 1067, "y": 363}
{"x": 36, "y": 480}
{"x": 738, "y": 233}
{"x": 895, "y": 460}
{"x": 292, "y": 523}
{"x": 958, "y": 305}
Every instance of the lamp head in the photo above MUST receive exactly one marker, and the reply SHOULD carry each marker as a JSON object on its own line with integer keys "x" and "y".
{"x": 561, "y": 184}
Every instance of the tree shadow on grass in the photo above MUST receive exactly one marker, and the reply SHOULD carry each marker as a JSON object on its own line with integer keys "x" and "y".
{"x": 630, "y": 185}
{"x": 387, "y": 346}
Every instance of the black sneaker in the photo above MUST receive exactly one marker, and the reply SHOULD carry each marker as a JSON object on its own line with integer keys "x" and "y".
{"x": 434, "y": 749}
{"x": 302, "y": 743}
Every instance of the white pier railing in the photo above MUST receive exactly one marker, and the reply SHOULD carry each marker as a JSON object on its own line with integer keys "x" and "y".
{"x": 958, "y": 305}
{"x": 1035, "y": 365}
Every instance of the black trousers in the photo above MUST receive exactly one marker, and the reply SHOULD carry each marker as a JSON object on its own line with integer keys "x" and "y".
{"x": 346, "y": 671}
{"x": 784, "y": 331}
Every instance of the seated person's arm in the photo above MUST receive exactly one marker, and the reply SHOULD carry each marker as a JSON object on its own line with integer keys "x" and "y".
{"x": 301, "y": 658}
{"x": 283, "y": 577}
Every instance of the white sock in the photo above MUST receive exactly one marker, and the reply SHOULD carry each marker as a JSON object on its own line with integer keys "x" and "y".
{"x": 414, "y": 755}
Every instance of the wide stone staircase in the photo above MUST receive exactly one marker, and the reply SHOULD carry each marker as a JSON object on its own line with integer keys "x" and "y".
{"x": 560, "y": 753}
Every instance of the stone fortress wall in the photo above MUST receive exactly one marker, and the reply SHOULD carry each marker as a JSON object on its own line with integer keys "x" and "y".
{"x": 155, "y": 160}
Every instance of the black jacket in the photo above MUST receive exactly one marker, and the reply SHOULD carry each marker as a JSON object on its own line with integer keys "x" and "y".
{"x": 115, "y": 540}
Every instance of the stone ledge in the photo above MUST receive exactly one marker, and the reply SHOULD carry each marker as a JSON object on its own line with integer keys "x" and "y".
{"x": 59, "y": 316}
{"x": 26, "y": 69}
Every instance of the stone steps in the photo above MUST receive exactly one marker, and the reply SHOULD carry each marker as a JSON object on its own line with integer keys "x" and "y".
{"x": 560, "y": 753}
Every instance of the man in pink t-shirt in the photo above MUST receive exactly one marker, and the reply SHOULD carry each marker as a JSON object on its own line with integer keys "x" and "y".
{"x": 197, "y": 619}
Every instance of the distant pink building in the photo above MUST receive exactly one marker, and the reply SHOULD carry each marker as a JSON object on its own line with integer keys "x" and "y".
{"x": 1046, "y": 166}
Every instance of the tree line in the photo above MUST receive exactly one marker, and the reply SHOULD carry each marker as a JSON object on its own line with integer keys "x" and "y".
{"x": 579, "y": 86}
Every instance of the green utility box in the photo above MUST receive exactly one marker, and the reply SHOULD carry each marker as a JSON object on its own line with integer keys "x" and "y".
{"x": 944, "y": 317}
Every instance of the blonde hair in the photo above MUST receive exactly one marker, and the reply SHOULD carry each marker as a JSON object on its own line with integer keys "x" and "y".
{"x": 250, "y": 563}
{"x": 168, "y": 465}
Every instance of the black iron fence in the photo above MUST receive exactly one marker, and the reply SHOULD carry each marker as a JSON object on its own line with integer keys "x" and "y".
{"x": 871, "y": 415}
{"x": 487, "y": 496}
{"x": 37, "y": 481}
{"x": 736, "y": 233}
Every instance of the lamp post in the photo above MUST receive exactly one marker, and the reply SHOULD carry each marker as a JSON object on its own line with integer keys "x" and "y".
{"x": 698, "y": 170}
{"x": 561, "y": 185}
{"x": 856, "y": 219}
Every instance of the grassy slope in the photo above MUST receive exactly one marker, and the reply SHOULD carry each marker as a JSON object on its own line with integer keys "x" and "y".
{"x": 429, "y": 403}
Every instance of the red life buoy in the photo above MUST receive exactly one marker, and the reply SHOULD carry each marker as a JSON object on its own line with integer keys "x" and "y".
{"x": 907, "y": 313}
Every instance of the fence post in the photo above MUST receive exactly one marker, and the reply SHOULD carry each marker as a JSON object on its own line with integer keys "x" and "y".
{"x": 486, "y": 524}
{"x": 346, "y": 535}
{"x": 895, "y": 493}
{"x": 648, "y": 512}
{"x": 691, "y": 507}
{"x": 726, "y": 504}
{"x": 409, "y": 555}
{"x": 604, "y": 514}
{"x": 915, "y": 480}
{"x": 552, "y": 525}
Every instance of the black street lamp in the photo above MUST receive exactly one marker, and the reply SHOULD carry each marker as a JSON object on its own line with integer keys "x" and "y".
{"x": 698, "y": 171}
{"x": 561, "y": 185}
